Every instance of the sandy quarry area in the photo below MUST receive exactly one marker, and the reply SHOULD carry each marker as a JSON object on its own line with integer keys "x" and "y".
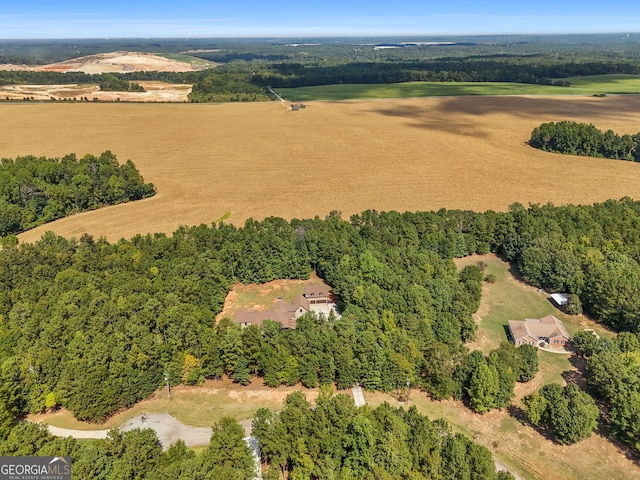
{"x": 257, "y": 159}
{"x": 116, "y": 62}
{"x": 154, "y": 92}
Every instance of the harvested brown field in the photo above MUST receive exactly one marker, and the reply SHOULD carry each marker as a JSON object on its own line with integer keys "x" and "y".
{"x": 257, "y": 159}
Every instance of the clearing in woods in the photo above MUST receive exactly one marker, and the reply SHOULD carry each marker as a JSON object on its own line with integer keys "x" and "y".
{"x": 257, "y": 160}
{"x": 200, "y": 406}
{"x": 262, "y": 296}
{"x": 517, "y": 445}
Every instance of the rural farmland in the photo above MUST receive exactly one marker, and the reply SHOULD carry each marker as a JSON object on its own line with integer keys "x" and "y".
{"x": 258, "y": 160}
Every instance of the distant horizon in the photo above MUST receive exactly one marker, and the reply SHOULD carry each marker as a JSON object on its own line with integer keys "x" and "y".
{"x": 72, "y": 19}
{"x": 407, "y": 37}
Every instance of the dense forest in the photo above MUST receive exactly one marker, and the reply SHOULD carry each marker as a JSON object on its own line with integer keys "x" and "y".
{"x": 575, "y": 138}
{"x": 335, "y": 440}
{"x": 94, "y": 326}
{"x": 36, "y": 190}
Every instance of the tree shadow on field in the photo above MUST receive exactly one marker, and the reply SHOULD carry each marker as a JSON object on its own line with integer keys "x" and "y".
{"x": 423, "y": 116}
{"x": 520, "y": 415}
{"x": 440, "y": 113}
{"x": 553, "y": 108}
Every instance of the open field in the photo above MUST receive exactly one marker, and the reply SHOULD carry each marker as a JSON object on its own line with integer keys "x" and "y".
{"x": 589, "y": 85}
{"x": 195, "y": 406}
{"x": 257, "y": 159}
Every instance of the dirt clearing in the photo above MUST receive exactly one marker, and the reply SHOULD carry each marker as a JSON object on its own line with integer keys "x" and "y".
{"x": 257, "y": 160}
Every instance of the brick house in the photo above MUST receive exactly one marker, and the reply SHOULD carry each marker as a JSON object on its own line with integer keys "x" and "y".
{"x": 539, "y": 331}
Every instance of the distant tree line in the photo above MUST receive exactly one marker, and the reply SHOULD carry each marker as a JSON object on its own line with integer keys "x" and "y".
{"x": 574, "y": 138}
{"x": 36, "y": 190}
{"x": 247, "y": 79}
{"x": 111, "y": 83}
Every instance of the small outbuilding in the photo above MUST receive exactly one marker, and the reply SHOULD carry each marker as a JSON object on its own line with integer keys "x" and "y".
{"x": 560, "y": 299}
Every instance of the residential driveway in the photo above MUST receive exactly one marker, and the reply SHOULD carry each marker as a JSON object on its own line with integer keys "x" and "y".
{"x": 358, "y": 396}
{"x": 167, "y": 428}
{"x": 65, "y": 432}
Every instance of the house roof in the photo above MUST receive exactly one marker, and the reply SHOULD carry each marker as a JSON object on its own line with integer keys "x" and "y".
{"x": 547, "y": 327}
{"x": 283, "y": 312}
{"x": 315, "y": 291}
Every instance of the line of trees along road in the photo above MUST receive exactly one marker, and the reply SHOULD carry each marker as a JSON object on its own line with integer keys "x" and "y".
{"x": 93, "y": 326}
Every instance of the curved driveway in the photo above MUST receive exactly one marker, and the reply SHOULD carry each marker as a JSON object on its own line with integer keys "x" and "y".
{"x": 167, "y": 428}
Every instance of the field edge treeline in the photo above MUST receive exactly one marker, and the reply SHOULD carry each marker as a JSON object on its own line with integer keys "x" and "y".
{"x": 37, "y": 190}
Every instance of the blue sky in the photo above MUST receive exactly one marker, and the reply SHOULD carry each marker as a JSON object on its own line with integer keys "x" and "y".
{"x": 251, "y": 18}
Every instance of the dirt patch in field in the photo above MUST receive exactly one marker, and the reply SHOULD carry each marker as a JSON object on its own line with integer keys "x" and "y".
{"x": 257, "y": 160}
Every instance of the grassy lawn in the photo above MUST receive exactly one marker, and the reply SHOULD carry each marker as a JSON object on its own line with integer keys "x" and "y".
{"x": 590, "y": 85}
{"x": 613, "y": 84}
{"x": 510, "y": 299}
{"x": 200, "y": 406}
{"x": 515, "y": 444}
{"x": 522, "y": 448}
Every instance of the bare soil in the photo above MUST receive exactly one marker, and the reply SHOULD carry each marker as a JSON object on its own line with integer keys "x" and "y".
{"x": 114, "y": 62}
{"x": 154, "y": 92}
{"x": 257, "y": 160}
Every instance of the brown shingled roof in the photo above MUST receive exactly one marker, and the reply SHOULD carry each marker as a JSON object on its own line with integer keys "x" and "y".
{"x": 282, "y": 312}
{"x": 315, "y": 291}
{"x": 536, "y": 328}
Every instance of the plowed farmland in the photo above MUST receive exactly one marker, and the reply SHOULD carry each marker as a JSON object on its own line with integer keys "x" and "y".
{"x": 256, "y": 160}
